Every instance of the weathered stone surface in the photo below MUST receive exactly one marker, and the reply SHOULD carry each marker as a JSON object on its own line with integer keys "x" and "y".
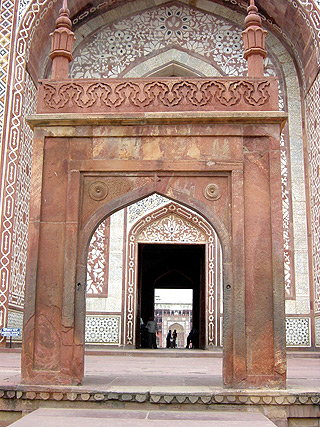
{"x": 177, "y": 152}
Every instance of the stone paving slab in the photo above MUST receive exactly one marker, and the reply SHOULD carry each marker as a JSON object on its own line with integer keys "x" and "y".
{"x": 143, "y": 373}
{"x": 101, "y": 418}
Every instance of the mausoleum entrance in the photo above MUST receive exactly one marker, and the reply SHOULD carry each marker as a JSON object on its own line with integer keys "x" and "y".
{"x": 154, "y": 243}
{"x": 172, "y": 266}
{"x": 209, "y": 144}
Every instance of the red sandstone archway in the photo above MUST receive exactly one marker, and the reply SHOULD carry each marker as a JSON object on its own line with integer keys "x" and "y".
{"x": 210, "y": 226}
{"x": 241, "y": 176}
{"x": 41, "y": 16}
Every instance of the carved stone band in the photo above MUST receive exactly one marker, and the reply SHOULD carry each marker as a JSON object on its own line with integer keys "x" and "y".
{"x": 162, "y": 95}
{"x": 98, "y": 190}
{"x": 212, "y": 192}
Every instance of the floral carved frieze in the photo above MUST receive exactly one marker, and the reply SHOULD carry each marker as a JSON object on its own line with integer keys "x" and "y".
{"x": 103, "y": 96}
{"x": 171, "y": 229}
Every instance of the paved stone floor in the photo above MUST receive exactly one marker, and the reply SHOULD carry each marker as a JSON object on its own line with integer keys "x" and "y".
{"x": 157, "y": 372}
{"x": 164, "y": 368}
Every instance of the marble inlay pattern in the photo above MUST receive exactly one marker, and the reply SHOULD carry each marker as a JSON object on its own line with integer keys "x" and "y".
{"x": 286, "y": 213}
{"x": 142, "y": 207}
{"x": 298, "y": 332}
{"x": 317, "y": 326}
{"x": 104, "y": 329}
{"x": 20, "y": 231}
{"x": 111, "y": 50}
{"x": 171, "y": 229}
{"x": 96, "y": 261}
{"x": 313, "y": 129}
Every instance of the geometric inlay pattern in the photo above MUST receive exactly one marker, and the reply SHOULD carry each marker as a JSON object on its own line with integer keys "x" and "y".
{"x": 171, "y": 223}
{"x": 11, "y": 134}
{"x": 7, "y": 9}
{"x": 298, "y": 332}
{"x": 313, "y": 130}
{"x": 15, "y": 320}
{"x": 103, "y": 329}
{"x": 21, "y": 217}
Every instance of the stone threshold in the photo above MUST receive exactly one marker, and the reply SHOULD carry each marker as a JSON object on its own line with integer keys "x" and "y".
{"x": 103, "y": 350}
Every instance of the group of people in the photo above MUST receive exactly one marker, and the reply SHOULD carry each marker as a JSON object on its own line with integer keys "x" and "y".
{"x": 149, "y": 336}
{"x": 172, "y": 339}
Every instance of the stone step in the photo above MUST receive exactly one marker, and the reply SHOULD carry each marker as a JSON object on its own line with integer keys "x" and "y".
{"x": 160, "y": 352}
{"x": 46, "y": 417}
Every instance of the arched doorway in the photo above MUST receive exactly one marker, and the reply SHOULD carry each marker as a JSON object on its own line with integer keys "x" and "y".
{"x": 133, "y": 252}
{"x": 164, "y": 241}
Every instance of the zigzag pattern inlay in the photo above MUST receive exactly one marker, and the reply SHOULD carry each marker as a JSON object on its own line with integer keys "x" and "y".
{"x": 21, "y": 216}
{"x": 7, "y": 198}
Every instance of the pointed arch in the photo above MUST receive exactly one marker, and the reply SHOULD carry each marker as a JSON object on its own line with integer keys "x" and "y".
{"x": 169, "y": 224}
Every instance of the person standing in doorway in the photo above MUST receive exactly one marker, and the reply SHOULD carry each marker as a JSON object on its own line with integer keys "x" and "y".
{"x": 169, "y": 339}
{"x": 152, "y": 329}
{"x": 174, "y": 338}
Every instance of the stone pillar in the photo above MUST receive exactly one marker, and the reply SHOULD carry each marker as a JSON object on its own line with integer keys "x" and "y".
{"x": 62, "y": 43}
{"x": 263, "y": 249}
{"x": 50, "y": 350}
{"x": 254, "y": 42}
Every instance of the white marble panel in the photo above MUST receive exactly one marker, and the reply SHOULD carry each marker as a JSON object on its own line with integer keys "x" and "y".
{"x": 103, "y": 329}
{"x": 113, "y": 303}
{"x": 317, "y": 325}
{"x": 115, "y": 281}
{"x": 291, "y": 307}
{"x": 302, "y": 304}
{"x": 298, "y": 332}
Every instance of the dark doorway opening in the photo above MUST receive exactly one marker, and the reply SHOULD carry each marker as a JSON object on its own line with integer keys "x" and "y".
{"x": 171, "y": 266}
